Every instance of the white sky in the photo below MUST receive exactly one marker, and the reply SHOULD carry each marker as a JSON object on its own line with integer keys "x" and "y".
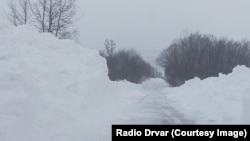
{"x": 153, "y": 24}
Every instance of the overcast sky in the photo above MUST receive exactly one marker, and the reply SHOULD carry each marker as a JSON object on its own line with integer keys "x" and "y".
{"x": 153, "y": 24}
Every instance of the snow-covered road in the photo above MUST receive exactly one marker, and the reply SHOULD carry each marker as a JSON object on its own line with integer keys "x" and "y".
{"x": 153, "y": 107}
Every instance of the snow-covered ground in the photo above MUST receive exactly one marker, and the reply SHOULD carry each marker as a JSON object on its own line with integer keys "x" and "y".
{"x": 56, "y": 90}
{"x": 217, "y": 100}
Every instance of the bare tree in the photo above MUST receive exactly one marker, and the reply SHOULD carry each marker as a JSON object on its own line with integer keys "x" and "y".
{"x": 39, "y": 11}
{"x": 66, "y": 12}
{"x": 18, "y": 15}
{"x": 53, "y": 16}
{"x": 109, "y": 49}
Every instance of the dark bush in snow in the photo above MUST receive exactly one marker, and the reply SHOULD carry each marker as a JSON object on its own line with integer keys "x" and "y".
{"x": 201, "y": 56}
{"x": 128, "y": 65}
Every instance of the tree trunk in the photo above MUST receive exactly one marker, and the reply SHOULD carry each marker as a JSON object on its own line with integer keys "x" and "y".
{"x": 50, "y": 17}
{"x": 58, "y": 23}
{"x": 25, "y": 11}
{"x": 43, "y": 20}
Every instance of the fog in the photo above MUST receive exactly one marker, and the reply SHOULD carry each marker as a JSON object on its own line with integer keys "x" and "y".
{"x": 153, "y": 24}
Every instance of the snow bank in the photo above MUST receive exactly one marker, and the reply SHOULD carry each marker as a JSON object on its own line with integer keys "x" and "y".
{"x": 56, "y": 90}
{"x": 246, "y": 105}
{"x": 217, "y": 100}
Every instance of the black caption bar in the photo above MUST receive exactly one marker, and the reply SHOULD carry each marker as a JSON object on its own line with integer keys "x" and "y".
{"x": 180, "y": 132}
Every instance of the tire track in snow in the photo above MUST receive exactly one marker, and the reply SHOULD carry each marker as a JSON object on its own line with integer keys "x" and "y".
{"x": 152, "y": 107}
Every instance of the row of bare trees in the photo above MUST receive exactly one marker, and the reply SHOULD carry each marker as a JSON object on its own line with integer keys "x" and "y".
{"x": 53, "y": 16}
{"x": 202, "y": 56}
{"x": 194, "y": 55}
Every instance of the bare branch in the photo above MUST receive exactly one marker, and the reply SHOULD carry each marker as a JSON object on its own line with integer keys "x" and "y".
{"x": 53, "y": 16}
{"x": 18, "y": 14}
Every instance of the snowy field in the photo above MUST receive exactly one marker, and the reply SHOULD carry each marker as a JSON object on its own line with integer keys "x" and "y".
{"x": 56, "y": 90}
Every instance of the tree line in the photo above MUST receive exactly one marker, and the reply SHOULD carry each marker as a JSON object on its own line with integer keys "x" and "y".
{"x": 52, "y": 16}
{"x": 194, "y": 55}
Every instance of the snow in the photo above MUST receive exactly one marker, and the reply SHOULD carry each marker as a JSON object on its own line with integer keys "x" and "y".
{"x": 215, "y": 100}
{"x": 56, "y": 90}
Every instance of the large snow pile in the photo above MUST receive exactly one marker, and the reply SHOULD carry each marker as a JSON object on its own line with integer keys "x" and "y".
{"x": 216, "y": 100}
{"x": 56, "y": 90}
